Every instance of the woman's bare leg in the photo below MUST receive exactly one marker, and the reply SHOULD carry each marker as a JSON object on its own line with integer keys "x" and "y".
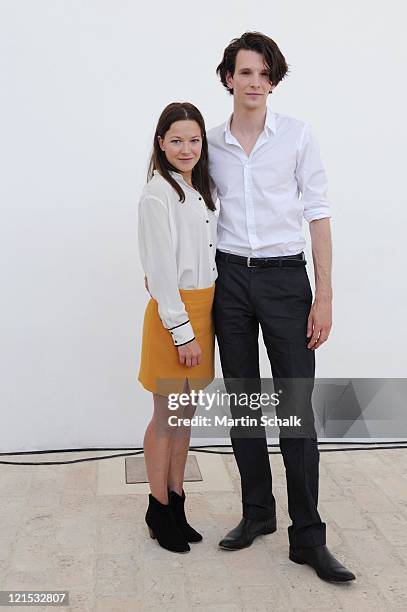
{"x": 179, "y": 449}
{"x": 157, "y": 448}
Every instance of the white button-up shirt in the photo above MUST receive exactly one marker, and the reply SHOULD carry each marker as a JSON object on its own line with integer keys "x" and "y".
{"x": 264, "y": 196}
{"x": 177, "y": 246}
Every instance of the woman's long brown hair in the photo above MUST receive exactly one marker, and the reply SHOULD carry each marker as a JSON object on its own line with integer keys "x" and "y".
{"x": 180, "y": 111}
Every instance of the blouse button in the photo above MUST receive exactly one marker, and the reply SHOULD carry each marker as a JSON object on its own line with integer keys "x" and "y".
{"x": 210, "y": 245}
{"x": 207, "y": 221}
{"x": 213, "y": 269}
{"x": 199, "y": 198}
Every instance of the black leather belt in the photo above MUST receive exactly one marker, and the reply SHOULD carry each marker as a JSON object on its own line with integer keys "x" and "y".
{"x": 285, "y": 261}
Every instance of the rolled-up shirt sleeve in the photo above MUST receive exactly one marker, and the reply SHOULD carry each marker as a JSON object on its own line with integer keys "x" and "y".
{"x": 311, "y": 178}
{"x": 157, "y": 254}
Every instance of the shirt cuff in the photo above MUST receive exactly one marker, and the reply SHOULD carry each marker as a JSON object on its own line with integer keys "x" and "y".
{"x": 315, "y": 215}
{"x": 182, "y": 334}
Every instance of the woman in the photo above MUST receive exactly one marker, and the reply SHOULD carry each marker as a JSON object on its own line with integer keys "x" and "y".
{"x": 177, "y": 234}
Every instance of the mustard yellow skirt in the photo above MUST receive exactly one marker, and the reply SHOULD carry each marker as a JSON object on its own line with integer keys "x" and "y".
{"x": 160, "y": 369}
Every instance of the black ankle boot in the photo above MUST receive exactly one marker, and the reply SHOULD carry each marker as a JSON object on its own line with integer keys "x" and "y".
{"x": 177, "y": 504}
{"x": 162, "y": 525}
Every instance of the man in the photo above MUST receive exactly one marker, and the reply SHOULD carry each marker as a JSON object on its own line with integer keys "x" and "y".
{"x": 261, "y": 162}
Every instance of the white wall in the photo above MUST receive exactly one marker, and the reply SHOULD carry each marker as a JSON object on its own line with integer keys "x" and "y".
{"x": 82, "y": 85}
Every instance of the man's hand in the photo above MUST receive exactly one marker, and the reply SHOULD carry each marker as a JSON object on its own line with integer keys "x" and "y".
{"x": 190, "y": 354}
{"x": 319, "y": 322}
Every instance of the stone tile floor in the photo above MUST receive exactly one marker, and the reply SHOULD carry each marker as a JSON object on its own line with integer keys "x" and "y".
{"x": 57, "y": 533}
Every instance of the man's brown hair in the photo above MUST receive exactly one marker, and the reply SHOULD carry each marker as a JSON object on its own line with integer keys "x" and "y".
{"x": 254, "y": 41}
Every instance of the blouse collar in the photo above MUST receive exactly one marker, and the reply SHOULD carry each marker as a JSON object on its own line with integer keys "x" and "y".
{"x": 177, "y": 176}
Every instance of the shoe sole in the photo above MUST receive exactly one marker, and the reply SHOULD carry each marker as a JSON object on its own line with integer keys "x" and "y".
{"x": 194, "y": 541}
{"x": 301, "y": 562}
{"x": 250, "y": 543}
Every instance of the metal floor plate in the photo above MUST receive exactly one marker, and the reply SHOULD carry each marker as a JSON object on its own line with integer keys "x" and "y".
{"x": 135, "y": 469}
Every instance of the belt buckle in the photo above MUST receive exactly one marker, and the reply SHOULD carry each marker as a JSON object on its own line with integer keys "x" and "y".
{"x": 248, "y": 263}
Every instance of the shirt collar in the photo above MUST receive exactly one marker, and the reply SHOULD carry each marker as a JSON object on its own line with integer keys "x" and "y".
{"x": 269, "y": 125}
{"x": 176, "y": 175}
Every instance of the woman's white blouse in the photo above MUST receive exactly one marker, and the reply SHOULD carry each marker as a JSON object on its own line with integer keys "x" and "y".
{"x": 177, "y": 245}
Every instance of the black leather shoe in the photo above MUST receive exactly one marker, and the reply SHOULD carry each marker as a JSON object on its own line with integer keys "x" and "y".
{"x": 324, "y": 563}
{"x": 246, "y": 531}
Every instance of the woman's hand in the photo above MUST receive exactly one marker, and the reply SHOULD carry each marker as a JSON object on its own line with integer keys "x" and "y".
{"x": 190, "y": 354}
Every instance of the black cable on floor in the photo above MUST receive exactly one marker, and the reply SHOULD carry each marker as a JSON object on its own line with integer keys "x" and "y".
{"x": 364, "y": 446}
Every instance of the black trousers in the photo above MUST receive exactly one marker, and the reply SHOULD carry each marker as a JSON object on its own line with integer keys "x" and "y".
{"x": 278, "y": 299}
